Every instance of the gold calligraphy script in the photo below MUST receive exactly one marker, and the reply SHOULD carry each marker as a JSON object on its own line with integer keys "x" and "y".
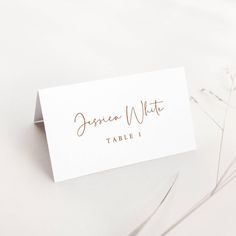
{"x": 132, "y": 114}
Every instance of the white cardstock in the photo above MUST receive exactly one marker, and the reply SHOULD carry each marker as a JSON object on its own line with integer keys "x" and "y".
{"x": 103, "y": 124}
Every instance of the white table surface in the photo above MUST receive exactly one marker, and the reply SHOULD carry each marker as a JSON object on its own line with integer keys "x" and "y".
{"x": 47, "y": 43}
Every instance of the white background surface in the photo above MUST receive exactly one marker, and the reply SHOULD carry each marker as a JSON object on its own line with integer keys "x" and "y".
{"x": 49, "y": 43}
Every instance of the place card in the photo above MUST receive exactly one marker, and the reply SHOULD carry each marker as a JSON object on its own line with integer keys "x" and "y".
{"x": 104, "y": 124}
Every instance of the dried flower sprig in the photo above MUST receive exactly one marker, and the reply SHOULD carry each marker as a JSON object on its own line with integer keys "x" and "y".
{"x": 227, "y": 176}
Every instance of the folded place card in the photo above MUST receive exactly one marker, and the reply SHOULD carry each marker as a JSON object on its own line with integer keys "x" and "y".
{"x": 103, "y": 124}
